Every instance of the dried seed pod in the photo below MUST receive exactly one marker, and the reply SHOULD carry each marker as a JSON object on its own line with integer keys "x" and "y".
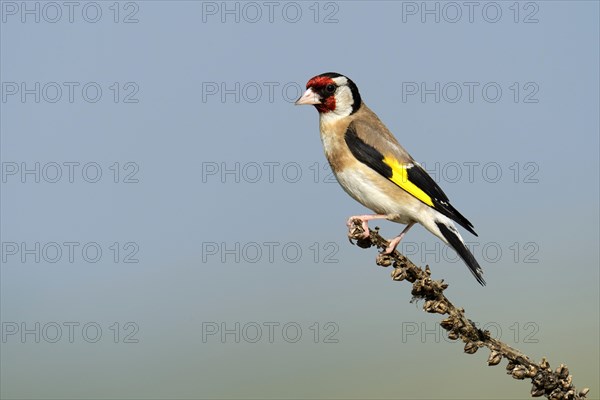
{"x": 510, "y": 366}
{"x": 441, "y": 307}
{"x": 544, "y": 364}
{"x": 383, "y": 260}
{"x": 416, "y": 289}
{"x": 494, "y": 358}
{"x": 447, "y": 323}
{"x": 426, "y": 290}
{"x": 452, "y": 335}
{"x": 429, "y": 306}
{"x": 538, "y": 379}
{"x": 536, "y": 392}
{"x": 410, "y": 277}
{"x": 471, "y": 348}
{"x": 398, "y": 274}
{"x": 584, "y": 392}
{"x": 533, "y": 370}
{"x": 556, "y": 394}
{"x": 562, "y": 371}
{"x": 519, "y": 372}
{"x": 550, "y": 382}
{"x": 568, "y": 381}
{"x": 570, "y": 394}
{"x": 433, "y": 306}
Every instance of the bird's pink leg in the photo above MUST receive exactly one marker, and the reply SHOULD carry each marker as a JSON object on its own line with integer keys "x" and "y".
{"x": 395, "y": 241}
{"x": 365, "y": 219}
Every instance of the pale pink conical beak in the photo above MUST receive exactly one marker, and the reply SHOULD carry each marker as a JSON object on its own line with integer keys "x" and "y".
{"x": 309, "y": 97}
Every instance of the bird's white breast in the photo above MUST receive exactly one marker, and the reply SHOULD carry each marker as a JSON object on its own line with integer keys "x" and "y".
{"x": 378, "y": 194}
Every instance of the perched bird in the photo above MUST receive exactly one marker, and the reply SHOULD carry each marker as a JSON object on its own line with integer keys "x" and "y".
{"x": 375, "y": 170}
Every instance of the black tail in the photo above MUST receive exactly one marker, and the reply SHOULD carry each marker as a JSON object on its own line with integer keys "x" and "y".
{"x": 464, "y": 253}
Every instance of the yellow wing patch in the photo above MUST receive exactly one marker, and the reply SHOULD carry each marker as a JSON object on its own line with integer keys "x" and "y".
{"x": 400, "y": 178}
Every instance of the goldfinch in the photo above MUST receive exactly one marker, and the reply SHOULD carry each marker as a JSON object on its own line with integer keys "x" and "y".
{"x": 375, "y": 170}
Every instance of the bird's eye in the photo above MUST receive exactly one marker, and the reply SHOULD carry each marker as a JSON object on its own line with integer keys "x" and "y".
{"x": 330, "y": 88}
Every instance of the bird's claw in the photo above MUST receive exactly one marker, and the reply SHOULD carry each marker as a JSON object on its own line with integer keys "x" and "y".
{"x": 360, "y": 232}
{"x": 358, "y": 228}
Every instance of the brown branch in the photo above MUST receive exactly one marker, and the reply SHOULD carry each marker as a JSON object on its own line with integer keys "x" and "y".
{"x": 554, "y": 385}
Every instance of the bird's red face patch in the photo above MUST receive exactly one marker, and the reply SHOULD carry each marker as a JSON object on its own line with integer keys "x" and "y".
{"x": 319, "y": 85}
{"x": 319, "y": 81}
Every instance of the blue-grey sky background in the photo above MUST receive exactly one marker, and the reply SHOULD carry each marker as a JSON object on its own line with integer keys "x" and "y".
{"x": 224, "y": 199}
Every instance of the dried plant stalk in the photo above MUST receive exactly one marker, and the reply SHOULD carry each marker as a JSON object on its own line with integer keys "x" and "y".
{"x": 554, "y": 384}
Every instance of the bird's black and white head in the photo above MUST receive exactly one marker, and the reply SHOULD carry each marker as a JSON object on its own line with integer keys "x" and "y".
{"x": 332, "y": 94}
